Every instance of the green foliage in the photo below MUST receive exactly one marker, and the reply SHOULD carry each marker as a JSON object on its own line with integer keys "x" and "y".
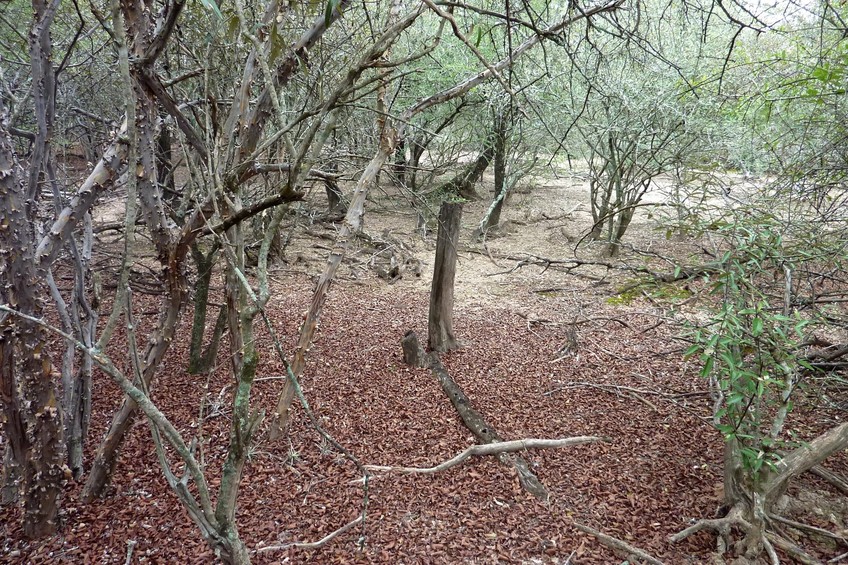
{"x": 212, "y": 6}
{"x": 657, "y": 291}
{"x": 747, "y": 348}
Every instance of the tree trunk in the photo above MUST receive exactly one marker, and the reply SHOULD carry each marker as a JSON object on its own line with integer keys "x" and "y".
{"x": 399, "y": 166}
{"x": 462, "y": 184}
{"x": 204, "y": 265}
{"x": 334, "y": 197}
{"x": 107, "y": 454}
{"x": 494, "y": 217}
{"x": 440, "y": 320}
{"x": 600, "y": 206}
{"x": 33, "y": 426}
{"x": 11, "y": 475}
{"x": 351, "y": 225}
{"x": 85, "y": 317}
{"x": 164, "y": 164}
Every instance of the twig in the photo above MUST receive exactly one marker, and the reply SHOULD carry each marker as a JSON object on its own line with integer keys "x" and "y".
{"x": 838, "y": 558}
{"x": 622, "y": 388}
{"x": 130, "y": 547}
{"x": 313, "y": 544}
{"x": 616, "y": 543}
{"x": 491, "y": 449}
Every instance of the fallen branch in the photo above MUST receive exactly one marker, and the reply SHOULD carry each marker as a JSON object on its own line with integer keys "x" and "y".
{"x": 615, "y": 543}
{"x": 807, "y": 528}
{"x": 630, "y": 391}
{"x": 832, "y": 478}
{"x": 491, "y": 449}
{"x": 313, "y": 544}
{"x": 414, "y": 355}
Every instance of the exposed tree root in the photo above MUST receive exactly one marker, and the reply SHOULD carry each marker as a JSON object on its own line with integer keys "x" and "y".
{"x": 720, "y": 525}
{"x": 615, "y": 543}
{"x": 793, "y": 550}
{"x": 735, "y": 518}
{"x": 807, "y": 528}
{"x": 835, "y": 480}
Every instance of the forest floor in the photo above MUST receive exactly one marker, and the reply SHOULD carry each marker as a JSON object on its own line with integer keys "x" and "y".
{"x": 547, "y": 353}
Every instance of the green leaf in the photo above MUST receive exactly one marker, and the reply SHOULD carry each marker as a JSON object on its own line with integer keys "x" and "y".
{"x": 757, "y": 327}
{"x": 708, "y": 367}
{"x": 328, "y": 15}
{"x": 212, "y": 7}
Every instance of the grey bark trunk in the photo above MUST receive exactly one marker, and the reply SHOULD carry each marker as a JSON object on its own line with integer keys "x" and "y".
{"x": 440, "y": 321}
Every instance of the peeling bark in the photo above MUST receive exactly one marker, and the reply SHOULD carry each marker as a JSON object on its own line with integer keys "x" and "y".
{"x": 33, "y": 418}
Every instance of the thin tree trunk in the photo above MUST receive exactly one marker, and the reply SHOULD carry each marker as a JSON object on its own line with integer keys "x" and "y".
{"x": 107, "y": 454}
{"x": 440, "y": 320}
{"x": 203, "y": 264}
{"x": 33, "y": 426}
{"x": 494, "y": 216}
{"x": 352, "y": 224}
{"x": 335, "y": 202}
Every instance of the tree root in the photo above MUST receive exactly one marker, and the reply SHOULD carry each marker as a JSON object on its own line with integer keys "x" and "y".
{"x": 720, "y": 525}
{"x": 735, "y": 518}
{"x": 835, "y": 480}
{"x": 793, "y": 550}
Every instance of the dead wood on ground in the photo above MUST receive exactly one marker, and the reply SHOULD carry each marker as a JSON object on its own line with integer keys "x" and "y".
{"x": 473, "y": 420}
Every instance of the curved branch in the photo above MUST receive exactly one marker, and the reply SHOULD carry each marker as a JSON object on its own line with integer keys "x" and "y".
{"x": 491, "y": 449}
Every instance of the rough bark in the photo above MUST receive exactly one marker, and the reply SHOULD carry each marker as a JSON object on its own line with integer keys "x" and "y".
{"x": 335, "y": 200}
{"x": 804, "y": 458}
{"x": 413, "y": 354}
{"x": 32, "y": 411}
{"x": 440, "y": 320}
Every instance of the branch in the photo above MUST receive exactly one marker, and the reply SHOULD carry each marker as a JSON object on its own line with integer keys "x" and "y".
{"x": 491, "y": 449}
{"x": 615, "y": 543}
{"x": 101, "y": 178}
{"x": 466, "y": 85}
{"x": 314, "y": 544}
{"x": 154, "y": 84}
{"x": 147, "y": 406}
